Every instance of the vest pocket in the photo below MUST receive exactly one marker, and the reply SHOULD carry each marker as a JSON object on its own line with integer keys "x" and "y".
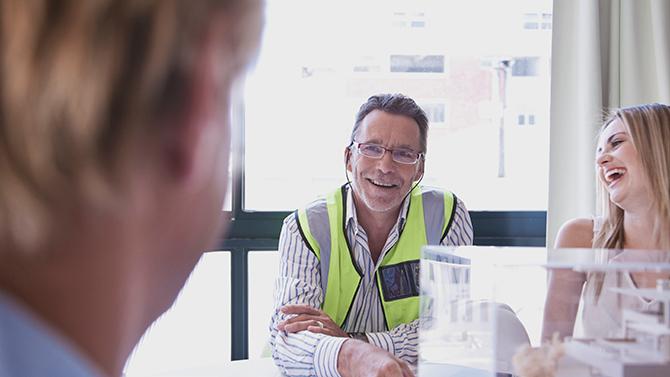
{"x": 400, "y": 280}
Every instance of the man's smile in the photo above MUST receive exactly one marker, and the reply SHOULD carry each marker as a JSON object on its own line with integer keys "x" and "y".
{"x": 382, "y": 184}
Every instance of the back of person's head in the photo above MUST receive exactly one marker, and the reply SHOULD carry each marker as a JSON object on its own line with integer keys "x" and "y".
{"x": 649, "y": 129}
{"x": 397, "y": 104}
{"x": 82, "y": 81}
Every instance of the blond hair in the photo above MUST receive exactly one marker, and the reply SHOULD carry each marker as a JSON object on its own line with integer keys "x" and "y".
{"x": 79, "y": 79}
{"x": 649, "y": 130}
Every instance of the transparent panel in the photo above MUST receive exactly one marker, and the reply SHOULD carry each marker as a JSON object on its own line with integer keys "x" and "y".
{"x": 196, "y": 330}
{"x": 543, "y": 312}
{"x": 473, "y": 71}
{"x": 263, "y": 270}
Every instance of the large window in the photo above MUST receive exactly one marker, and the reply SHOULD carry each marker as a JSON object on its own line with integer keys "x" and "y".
{"x": 474, "y": 58}
{"x": 480, "y": 70}
{"x": 478, "y": 74}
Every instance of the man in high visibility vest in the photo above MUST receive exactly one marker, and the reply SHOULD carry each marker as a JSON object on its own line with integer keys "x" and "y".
{"x": 347, "y": 298}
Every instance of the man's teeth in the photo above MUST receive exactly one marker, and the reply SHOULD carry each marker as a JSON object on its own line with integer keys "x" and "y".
{"x": 382, "y": 183}
{"x": 614, "y": 174}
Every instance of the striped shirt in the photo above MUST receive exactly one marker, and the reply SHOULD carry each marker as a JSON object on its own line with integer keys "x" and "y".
{"x": 310, "y": 354}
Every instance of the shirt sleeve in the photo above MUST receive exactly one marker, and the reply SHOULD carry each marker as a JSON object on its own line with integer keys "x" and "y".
{"x": 402, "y": 341}
{"x": 461, "y": 232}
{"x": 303, "y": 353}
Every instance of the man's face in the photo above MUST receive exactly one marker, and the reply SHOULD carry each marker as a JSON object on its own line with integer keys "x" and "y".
{"x": 381, "y": 184}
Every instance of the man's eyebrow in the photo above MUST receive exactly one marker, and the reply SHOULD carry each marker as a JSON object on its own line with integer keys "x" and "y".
{"x": 379, "y": 142}
{"x": 372, "y": 141}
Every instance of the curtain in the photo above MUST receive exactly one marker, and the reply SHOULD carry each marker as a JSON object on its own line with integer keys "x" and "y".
{"x": 605, "y": 54}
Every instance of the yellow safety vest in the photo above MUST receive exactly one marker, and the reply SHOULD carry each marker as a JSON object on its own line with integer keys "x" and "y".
{"x": 322, "y": 227}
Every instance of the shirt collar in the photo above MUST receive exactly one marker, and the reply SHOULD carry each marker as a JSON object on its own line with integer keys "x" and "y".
{"x": 32, "y": 339}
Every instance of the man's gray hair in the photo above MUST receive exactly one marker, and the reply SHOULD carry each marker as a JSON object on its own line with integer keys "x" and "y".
{"x": 397, "y": 104}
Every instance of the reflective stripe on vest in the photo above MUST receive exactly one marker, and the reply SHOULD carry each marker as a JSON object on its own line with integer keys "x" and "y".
{"x": 322, "y": 228}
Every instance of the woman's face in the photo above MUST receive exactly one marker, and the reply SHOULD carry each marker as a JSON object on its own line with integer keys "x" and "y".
{"x": 620, "y": 168}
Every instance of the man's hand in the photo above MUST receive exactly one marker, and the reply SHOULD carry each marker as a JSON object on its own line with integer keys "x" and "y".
{"x": 358, "y": 358}
{"x": 309, "y": 318}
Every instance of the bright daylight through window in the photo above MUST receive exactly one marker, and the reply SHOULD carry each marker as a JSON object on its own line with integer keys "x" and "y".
{"x": 479, "y": 68}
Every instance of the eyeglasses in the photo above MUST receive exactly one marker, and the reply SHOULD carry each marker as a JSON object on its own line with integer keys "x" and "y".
{"x": 399, "y": 155}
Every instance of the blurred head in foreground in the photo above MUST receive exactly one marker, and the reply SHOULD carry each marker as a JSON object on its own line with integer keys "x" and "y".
{"x": 114, "y": 147}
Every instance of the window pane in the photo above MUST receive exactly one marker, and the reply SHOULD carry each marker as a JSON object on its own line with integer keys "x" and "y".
{"x": 530, "y": 25}
{"x": 484, "y": 68}
{"x": 434, "y": 111}
{"x": 196, "y": 330}
{"x": 263, "y": 269}
{"x": 417, "y": 63}
{"x": 525, "y": 66}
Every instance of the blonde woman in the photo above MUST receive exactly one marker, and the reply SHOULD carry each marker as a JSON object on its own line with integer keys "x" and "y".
{"x": 633, "y": 175}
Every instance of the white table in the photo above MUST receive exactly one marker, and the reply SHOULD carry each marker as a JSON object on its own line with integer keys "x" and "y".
{"x": 264, "y": 367}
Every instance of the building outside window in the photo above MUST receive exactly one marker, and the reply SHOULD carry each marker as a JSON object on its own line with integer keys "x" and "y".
{"x": 417, "y": 63}
{"x": 525, "y": 66}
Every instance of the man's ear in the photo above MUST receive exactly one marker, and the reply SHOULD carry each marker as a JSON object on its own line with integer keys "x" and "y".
{"x": 419, "y": 172}
{"x": 347, "y": 158}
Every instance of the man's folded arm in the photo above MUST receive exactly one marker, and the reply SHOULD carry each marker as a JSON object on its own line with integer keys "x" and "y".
{"x": 303, "y": 353}
{"x": 402, "y": 341}
{"x": 299, "y": 282}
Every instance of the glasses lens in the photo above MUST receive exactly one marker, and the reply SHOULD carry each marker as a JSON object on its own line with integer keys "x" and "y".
{"x": 405, "y": 156}
{"x": 371, "y": 150}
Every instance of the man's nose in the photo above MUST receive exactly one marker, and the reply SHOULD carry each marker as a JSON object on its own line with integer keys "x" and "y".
{"x": 386, "y": 162}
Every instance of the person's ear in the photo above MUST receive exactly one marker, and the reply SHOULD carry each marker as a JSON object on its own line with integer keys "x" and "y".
{"x": 198, "y": 134}
{"x": 419, "y": 171}
{"x": 347, "y": 158}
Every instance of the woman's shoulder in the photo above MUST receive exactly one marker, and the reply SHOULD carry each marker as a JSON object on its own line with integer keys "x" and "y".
{"x": 576, "y": 233}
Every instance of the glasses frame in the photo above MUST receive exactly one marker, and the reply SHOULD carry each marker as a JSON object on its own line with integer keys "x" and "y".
{"x": 420, "y": 156}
